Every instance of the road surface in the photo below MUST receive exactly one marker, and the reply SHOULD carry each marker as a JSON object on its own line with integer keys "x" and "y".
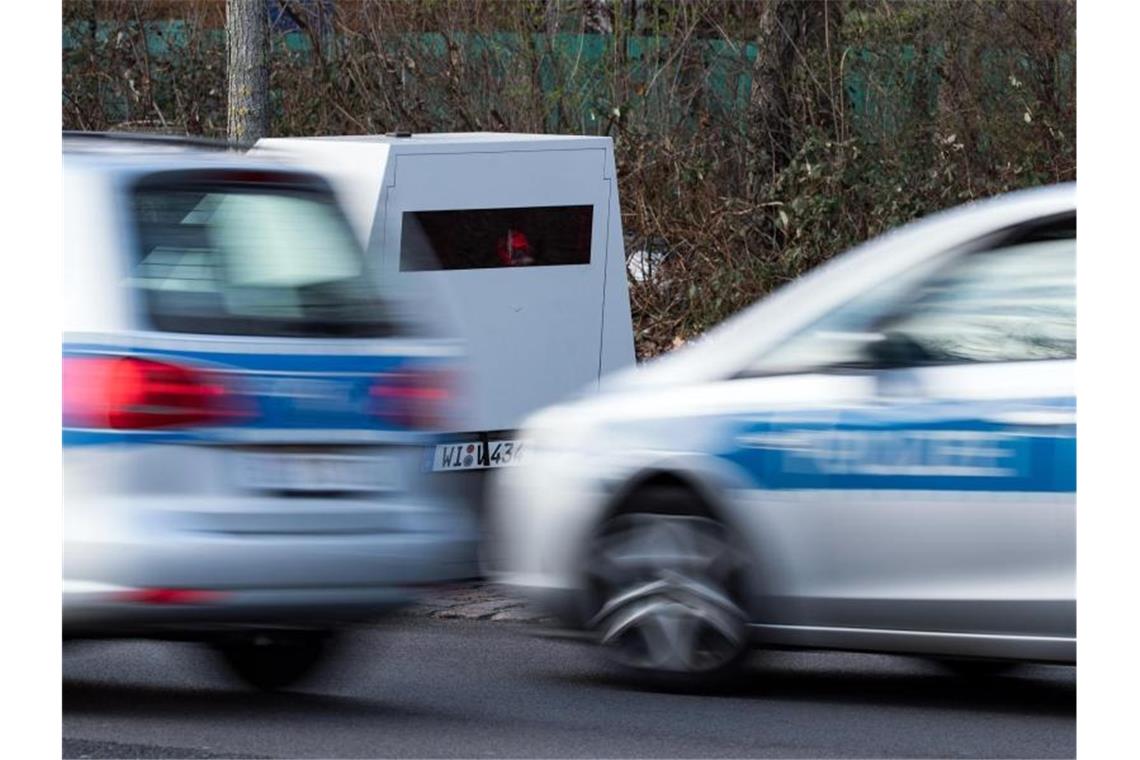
{"x": 470, "y": 688}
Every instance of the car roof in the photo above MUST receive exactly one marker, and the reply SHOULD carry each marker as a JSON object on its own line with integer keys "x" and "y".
{"x": 132, "y": 153}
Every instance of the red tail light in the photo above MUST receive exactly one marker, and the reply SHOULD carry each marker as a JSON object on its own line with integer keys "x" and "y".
{"x": 130, "y": 393}
{"x": 171, "y": 596}
{"x": 416, "y": 399}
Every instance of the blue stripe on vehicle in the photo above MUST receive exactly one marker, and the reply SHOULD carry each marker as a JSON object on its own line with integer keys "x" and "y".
{"x": 937, "y": 446}
{"x": 286, "y": 392}
{"x": 82, "y": 437}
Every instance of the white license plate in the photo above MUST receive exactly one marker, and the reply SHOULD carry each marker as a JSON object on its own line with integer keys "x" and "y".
{"x": 317, "y": 472}
{"x": 470, "y": 455}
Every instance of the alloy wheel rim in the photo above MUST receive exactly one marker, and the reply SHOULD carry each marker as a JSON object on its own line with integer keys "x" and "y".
{"x": 664, "y": 581}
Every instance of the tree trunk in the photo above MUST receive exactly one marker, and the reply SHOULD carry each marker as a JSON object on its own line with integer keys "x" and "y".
{"x": 787, "y": 28}
{"x": 247, "y": 47}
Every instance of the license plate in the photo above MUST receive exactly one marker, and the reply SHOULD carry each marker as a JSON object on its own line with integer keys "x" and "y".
{"x": 317, "y": 472}
{"x": 470, "y": 455}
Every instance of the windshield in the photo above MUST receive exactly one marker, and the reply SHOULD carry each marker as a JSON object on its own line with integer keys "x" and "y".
{"x": 251, "y": 259}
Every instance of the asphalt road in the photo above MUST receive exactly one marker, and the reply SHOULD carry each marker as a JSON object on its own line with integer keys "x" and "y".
{"x": 463, "y": 688}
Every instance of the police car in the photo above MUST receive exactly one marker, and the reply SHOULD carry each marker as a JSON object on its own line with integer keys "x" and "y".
{"x": 878, "y": 457}
{"x": 243, "y": 415}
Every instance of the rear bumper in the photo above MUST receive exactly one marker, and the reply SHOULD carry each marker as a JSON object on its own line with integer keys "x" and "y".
{"x": 210, "y": 561}
{"x": 106, "y": 616}
{"x": 253, "y": 579}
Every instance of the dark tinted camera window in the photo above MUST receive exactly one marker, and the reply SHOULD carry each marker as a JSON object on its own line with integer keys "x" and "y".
{"x": 496, "y": 237}
{"x": 251, "y": 260}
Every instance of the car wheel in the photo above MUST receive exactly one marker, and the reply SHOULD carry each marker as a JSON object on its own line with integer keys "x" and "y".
{"x": 665, "y": 591}
{"x": 274, "y": 660}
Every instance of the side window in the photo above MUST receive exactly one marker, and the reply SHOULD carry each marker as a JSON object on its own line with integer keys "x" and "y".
{"x": 1013, "y": 302}
{"x": 495, "y": 237}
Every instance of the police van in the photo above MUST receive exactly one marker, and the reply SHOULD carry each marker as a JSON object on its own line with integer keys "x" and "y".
{"x": 243, "y": 412}
{"x": 516, "y": 240}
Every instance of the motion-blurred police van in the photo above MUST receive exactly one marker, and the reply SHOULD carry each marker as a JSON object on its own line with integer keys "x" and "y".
{"x": 516, "y": 240}
{"x": 243, "y": 412}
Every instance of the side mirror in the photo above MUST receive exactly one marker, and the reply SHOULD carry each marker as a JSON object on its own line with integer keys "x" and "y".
{"x": 895, "y": 350}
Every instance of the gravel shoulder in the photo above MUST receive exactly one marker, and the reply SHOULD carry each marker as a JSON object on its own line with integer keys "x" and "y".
{"x": 475, "y": 600}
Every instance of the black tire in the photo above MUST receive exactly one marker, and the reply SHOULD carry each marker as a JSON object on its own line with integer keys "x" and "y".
{"x": 673, "y": 617}
{"x": 274, "y": 660}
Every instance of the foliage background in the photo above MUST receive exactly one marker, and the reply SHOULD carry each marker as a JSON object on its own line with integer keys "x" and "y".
{"x": 754, "y": 138}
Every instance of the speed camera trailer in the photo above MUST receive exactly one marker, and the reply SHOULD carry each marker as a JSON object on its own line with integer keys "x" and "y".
{"x": 517, "y": 241}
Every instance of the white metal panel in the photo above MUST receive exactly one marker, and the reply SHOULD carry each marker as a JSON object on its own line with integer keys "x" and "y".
{"x": 617, "y": 321}
{"x": 533, "y": 333}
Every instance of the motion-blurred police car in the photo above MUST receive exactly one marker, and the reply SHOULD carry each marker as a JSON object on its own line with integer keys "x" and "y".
{"x": 243, "y": 417}
{"x": 879, "y": 457}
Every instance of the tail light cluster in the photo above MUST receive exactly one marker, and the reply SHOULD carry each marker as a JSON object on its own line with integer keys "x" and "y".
{"x": 418, "y": 399}
{"x": 167, "y": 596}
{"x": 135, "y": 393}
{"x": 132, "y": 393}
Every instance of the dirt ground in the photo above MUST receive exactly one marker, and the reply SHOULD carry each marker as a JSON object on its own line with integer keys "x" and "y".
{"x": 476, "y": 600}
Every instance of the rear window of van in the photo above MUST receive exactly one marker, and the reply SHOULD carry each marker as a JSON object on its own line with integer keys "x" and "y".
{"x": 250, "y": 254}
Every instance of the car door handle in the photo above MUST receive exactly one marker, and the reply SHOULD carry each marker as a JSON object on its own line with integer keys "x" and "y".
{"x": 1034, "y": 418}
